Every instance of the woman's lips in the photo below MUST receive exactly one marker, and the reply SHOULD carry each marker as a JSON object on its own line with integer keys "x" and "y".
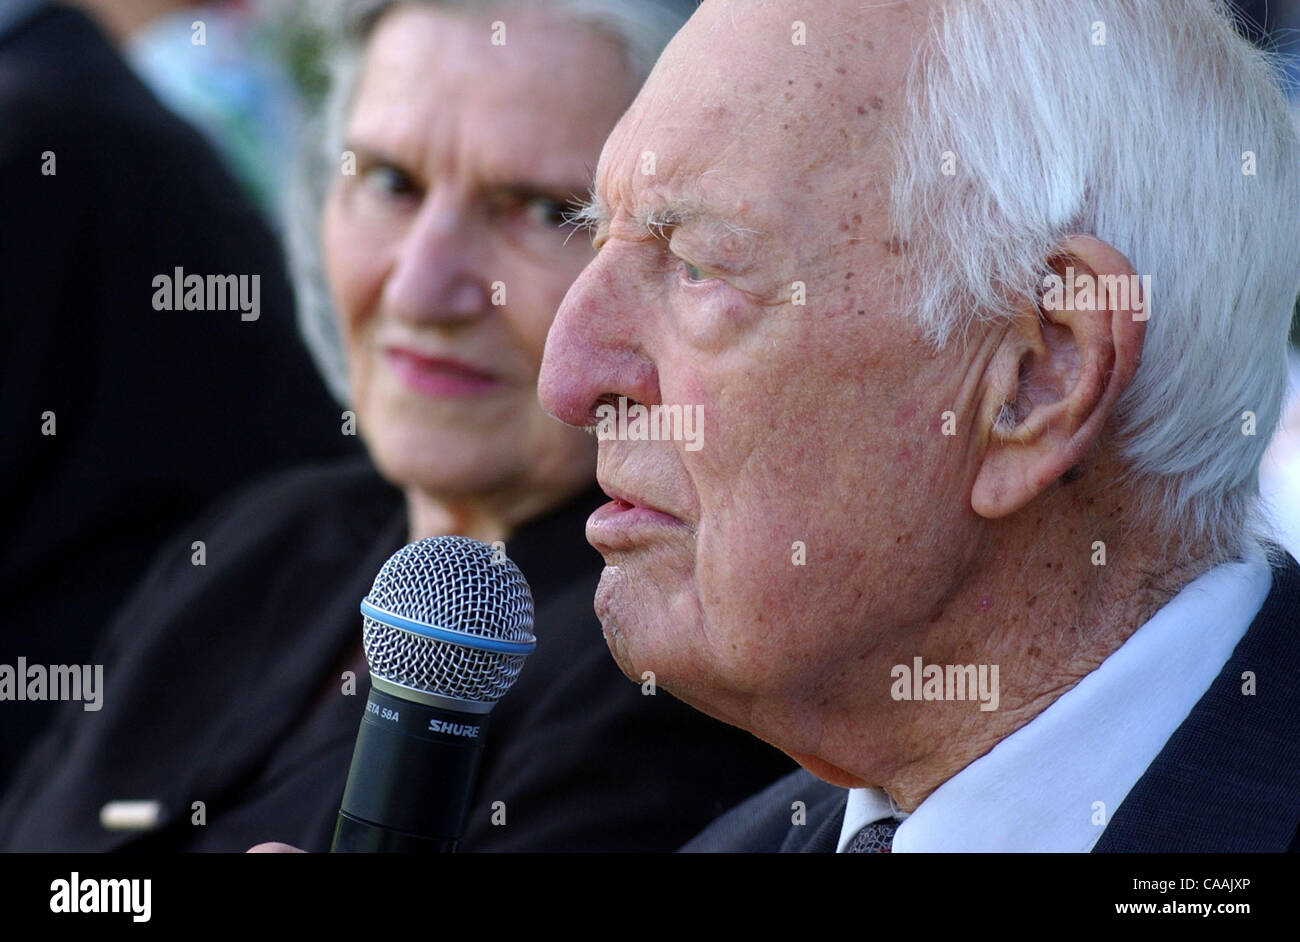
{"x": 620, "y": 525}
{"x": 438, "y": 376}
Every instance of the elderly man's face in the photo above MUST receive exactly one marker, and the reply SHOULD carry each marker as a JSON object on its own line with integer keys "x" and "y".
{"x": 821, "y": 421}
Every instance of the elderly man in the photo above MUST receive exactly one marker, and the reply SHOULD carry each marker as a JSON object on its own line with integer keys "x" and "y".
{"x": 984, "y": 307}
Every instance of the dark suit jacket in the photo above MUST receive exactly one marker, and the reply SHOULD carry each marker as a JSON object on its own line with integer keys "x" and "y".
{"x": 1227, "y": 780}
{"x": 157, "y": 412}
{"x": 223, "y": 685}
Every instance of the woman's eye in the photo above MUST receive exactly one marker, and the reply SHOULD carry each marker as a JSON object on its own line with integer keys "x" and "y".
{"x": 390, "y": 181}
{"x": 548, "y": 212}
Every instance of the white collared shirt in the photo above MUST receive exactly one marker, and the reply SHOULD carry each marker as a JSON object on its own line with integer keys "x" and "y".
{"x": 1053, "y": 784}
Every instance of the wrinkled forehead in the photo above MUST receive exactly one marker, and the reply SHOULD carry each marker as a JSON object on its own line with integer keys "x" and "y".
{"x": 432, "y": 80}
{"x": 763, "y": 102}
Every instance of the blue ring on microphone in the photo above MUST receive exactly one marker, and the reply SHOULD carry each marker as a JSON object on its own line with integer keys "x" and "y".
{"x": 443, "y": 634}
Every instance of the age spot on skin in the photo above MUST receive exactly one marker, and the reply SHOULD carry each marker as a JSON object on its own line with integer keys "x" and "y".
{"x": 906, "y": 414}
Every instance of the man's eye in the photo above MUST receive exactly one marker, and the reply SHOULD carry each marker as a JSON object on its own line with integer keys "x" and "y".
{"x": 693, "y": 273}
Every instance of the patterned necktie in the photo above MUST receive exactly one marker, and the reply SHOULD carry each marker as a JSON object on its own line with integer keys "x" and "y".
{"x": 876, "y": 838}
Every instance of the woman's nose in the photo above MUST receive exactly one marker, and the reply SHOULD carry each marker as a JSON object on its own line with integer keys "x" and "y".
{"x": 440, "y": 275}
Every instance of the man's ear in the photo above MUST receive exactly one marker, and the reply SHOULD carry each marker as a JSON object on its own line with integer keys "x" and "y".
{"x": 1055, "y": 378}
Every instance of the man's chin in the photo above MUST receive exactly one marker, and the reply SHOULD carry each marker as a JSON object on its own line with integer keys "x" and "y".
{"x": 631, "y": 627}
{"x": 607, "y": 610}
{"x": 648, "y": 646}
{"x": 827, "y": 772}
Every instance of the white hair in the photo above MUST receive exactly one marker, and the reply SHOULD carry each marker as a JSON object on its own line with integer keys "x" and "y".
{"x": 1136, "y": 122}
{"x": 641, "y": 28}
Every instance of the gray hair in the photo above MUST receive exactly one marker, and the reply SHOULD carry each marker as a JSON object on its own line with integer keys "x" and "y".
{"x": 1160, "y": 130}
{"x": 640, "y": 27}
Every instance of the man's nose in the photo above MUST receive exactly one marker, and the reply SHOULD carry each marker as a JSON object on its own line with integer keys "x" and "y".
{"x": 594, "y": 350}
{"x": 440, "y": 274}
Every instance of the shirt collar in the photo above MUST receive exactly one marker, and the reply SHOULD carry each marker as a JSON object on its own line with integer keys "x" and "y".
{"x": 1053, "y": 784}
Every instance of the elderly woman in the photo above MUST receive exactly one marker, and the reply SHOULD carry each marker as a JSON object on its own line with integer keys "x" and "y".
{"x": 234, "y": 677}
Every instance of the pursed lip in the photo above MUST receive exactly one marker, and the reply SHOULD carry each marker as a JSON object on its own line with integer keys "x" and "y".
{"x": 626, "y": 520}
{"x": 620, "y": 496}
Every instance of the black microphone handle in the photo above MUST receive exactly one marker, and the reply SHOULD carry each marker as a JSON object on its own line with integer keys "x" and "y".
{"x": 412, "y": 778}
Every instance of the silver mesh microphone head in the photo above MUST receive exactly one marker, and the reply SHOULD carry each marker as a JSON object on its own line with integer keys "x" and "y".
{"x": 448, "y": 619}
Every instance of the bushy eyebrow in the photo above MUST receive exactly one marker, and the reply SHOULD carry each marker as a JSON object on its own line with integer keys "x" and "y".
{"x": 590, "y": 215}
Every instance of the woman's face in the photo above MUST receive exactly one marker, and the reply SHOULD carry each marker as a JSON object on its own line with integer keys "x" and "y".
{"x": 446, "y": 253}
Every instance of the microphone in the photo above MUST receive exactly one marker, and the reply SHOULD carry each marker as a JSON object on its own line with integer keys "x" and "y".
{"x": 447, "y": 626}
